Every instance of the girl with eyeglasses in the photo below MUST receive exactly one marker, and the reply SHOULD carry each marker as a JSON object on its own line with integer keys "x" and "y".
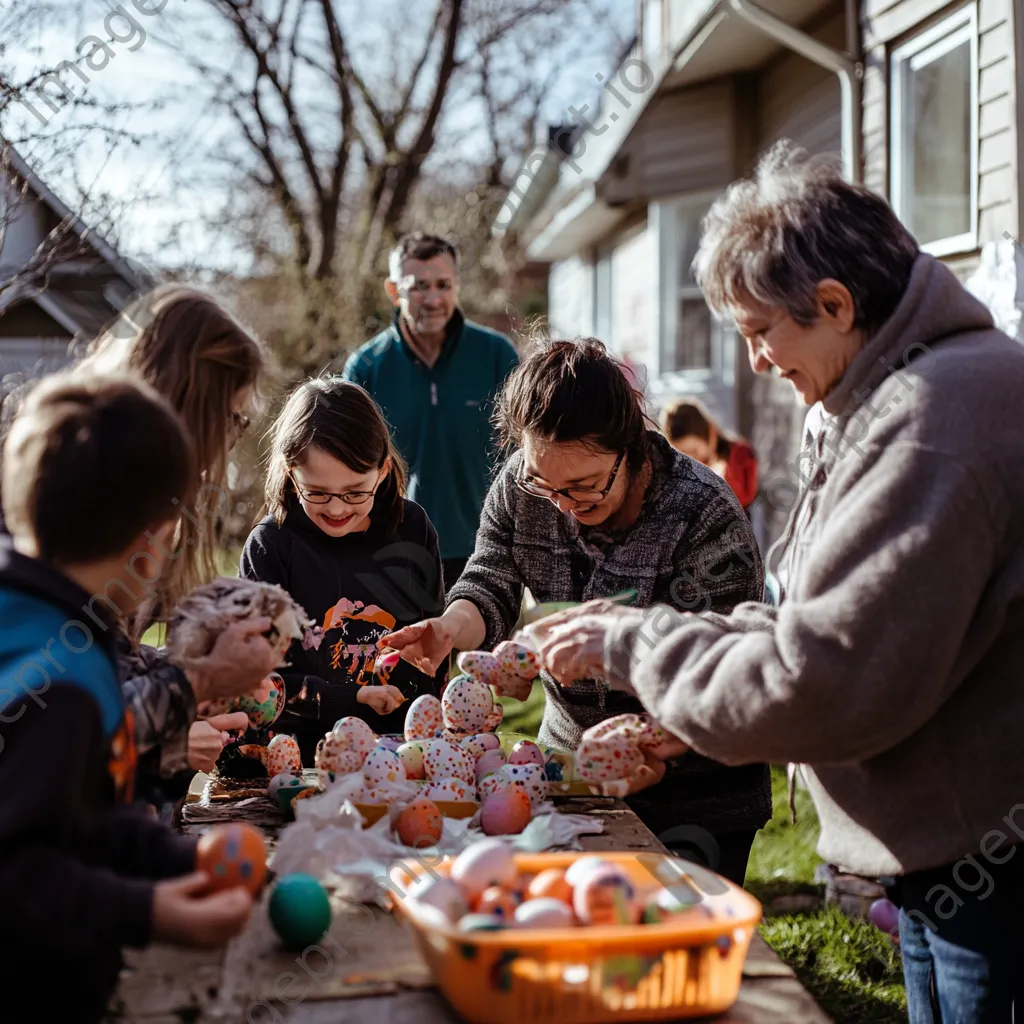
{"x": 592, "y": 502}
{"x": 341, "y": 537}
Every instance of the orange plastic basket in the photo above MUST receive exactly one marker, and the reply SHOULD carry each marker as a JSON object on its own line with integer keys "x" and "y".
{"x": 688, "y": 967}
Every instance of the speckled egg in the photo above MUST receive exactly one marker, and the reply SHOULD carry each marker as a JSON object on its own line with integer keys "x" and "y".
{"x": 489, "y": 761}
{"x": 423, "y": 718}
{"x": 544, "y": 913}
{"x": 478, "y": 744}
{"x": 466, "y": 704}
{"x": 335, "y": 755}
{"x": 441, "y": 893}
{"x": 506, "y": 812}
{"x": 420, "y": 824}
{"x": 495, "y": 718}
{"x": 382, "y": 766}
{"x": 526, "y": 752}
{"x": 283, "y": 755}
{"x": 449, "y": 789}
{"x": 606, "y": 896}
{"x": 444, "y": 760}
{"x": 493, "y": 783}
{"x": 389, "y": 743}
{"x": 265, "y": 706}
{"x": 531, "y": 777}
{"x": 411, "y": 754}
{"x": 487, "y": 864}
{"x": 358, "y": 734}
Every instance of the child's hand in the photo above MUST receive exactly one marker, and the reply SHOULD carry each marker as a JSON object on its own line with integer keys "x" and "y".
{"x": 383, "y": 699}
{"x": 206, "y": 739}
{"x": 185, "y": 917}
{"x": 239, "y": 662}
{"x": 424, "y": 644}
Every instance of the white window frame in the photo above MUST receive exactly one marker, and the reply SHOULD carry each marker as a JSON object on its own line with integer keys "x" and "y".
{"x": 919, "y": 52}
{"x": 671, "y": 215}
{"x": 646, "y": 7}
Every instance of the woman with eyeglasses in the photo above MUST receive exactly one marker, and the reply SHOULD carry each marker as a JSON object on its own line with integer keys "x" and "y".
{"x": 341, "y": 537}
{"x": 592, "y": 503}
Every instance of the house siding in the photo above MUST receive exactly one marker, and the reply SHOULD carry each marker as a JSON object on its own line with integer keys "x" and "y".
{"x": 887, "y": 23}
{"x": 571, "y": 297}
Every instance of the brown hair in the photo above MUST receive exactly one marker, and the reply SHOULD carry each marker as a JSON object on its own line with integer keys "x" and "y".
{"x": 182, "y": 343}
{"x": 341, "y": 419}
{"x": 574, "y": 391}
{"x": 90, "y": 463}
{"x": 689, "y": 417}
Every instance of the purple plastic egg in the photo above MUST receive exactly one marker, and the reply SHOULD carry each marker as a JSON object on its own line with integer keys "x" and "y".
{"x": 885, "y": 916}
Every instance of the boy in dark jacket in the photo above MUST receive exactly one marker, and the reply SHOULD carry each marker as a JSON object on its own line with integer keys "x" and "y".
{"x": 93, "y": 471}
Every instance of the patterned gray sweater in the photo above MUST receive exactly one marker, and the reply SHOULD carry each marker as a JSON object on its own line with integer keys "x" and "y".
{"x": 691, "y": 547}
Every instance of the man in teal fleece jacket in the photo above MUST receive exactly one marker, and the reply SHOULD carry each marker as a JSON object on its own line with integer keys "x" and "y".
{"x": 435, "y": 374}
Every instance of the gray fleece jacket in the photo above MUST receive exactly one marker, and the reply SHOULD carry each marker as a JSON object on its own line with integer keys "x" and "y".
{"x": 894, "y": 668}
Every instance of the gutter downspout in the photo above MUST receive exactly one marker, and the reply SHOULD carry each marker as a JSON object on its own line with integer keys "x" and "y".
{"x": 849, "y": 71}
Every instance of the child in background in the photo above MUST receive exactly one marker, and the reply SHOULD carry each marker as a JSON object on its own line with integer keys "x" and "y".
{"x": 343, "y": 540}
{"x": 691, "y": 430}
{"x": 92, "y": 467}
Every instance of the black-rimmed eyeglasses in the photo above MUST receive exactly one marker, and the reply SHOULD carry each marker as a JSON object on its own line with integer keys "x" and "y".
{"x": 579, "y": 495}
{"x": 323, "y": 497}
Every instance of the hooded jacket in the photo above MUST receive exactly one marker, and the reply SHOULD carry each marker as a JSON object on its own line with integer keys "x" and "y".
{"x": 892, "y": 669}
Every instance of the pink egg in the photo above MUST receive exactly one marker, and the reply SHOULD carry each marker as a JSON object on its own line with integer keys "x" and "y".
{"x": 506, "y": 812}
{"x": 382, "y": 766}
{"x": 885, "y": 916}
{"x": 606, "y": 896}
{"x": 466, "y": 705}
{"x": 478, "y": 744}
{"x": 489, "y": 761}
{"x": 411, "y": 754}
{"x": 526, "y": 752}
{"x": 423, "y": 718}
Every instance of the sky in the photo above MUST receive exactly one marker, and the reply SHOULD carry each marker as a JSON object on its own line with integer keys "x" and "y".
{"x": 165, "y": 181}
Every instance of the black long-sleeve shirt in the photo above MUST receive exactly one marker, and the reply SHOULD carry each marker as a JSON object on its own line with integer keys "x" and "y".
{"x": 357, "y": 588}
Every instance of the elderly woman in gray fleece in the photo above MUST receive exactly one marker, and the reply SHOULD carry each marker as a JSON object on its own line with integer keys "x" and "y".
{"x": 893, "y": 668}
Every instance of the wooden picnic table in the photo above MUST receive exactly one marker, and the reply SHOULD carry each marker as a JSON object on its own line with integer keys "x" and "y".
{"x": 375, "y": 974}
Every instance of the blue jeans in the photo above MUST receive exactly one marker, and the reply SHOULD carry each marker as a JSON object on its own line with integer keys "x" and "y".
{"x": 963, "y": 957}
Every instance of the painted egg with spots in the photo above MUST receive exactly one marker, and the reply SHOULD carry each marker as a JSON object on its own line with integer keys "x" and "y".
{"x": 489, "y": 761}
{"x": 487, "y": 864}
{"x": 466, "y": 705}
{"x": 478, "y": 744}
{"x": 531, "y": 777}
{"x": 420, "y": 824}
{"x": 233, "y": 855}
{"x": 454, "y": 790}
{"x": 443, "y": 760}
{"x": 411, "y": 754}
{"x": 283, "y": 755}
{"x": 492, "y": 783}
{"x": 515, "y": 659}
{"x": 526, "y": 752}
{"x": 355, "y": 734}
{"x": 382, "y": 766}
{"x": 333, "y": 756}
{"x": 265, "y": 706}
{"x": 423, "y": 719}
{"x": 506, "y": 812}
{"x": 495, "y": 718}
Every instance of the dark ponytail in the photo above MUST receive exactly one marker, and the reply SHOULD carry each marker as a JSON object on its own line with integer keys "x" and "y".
{"x": 574, "y": 391}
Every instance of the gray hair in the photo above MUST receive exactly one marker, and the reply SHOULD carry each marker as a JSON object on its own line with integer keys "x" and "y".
{"x": 773, "y": 238}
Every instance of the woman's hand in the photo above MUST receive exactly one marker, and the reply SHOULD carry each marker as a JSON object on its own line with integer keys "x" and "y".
{"x": 206, "y": 739}
{"x": 572, "y": 643}
{"x": 383, "y": 699}
{"x": 239, "y": 662}
{"x": 185, "y": 916}
{"x": 424, "y": 644}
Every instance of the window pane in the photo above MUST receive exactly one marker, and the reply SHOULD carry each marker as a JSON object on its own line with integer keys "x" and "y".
{"x": 693, "y": 335}
{"x": 937, "y": 145}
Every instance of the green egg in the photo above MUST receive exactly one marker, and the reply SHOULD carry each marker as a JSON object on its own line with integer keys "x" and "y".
{"x": 299, "y": 910}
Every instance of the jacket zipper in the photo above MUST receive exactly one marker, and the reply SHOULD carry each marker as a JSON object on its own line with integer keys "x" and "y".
{"x": 433, "y": 392}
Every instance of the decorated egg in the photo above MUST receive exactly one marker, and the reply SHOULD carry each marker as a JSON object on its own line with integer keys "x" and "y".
{"x": 420, "y": 824}
{"x": 358, "y": 734}
{"x": 493, "y": 783}
{"x": 489, "y": 761}
{"x": 334, "y": 755}
{"x": 441, "y": 893}
{"x": 265, "y": 706}
{"x": 411, "y": 754}
{"x": 285, "y": 787}
{"x": 382, "y": 766}
{"x": 479, "y": 743}
{"x": 423, "y": 718}
{"x": 516, "y": 659}
{"x": 582, "y": 866}
{"x": 299, "y": 910}
{"x": 233, "y": 855}
{"x": 495, "y": 718}
{"x": 283, "y": 755}
{"x": 390, "y": 742}
{"x": 550, "y": 884}
{"x": 444, "y": 760}
{"x": 453, "y": 790}
{"x": 606, "y": 896}
{"x": 610, "y": 751}
{"x": 499, "y": 902}
{"x": 526, "y": 752}
{"x": 481, "y": 923}
{"x": 373, "y": 795}
{"x": 481, "y": 665}
{"x": 544, "y": 913}
{"x": 531, "y": 777}
{"x": 486, "y": 864}
{"x": 466, "y": 704}
{"x": 506, "y": 812}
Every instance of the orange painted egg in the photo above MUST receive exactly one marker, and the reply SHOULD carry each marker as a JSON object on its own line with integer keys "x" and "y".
{"x": 233, "y": 855}
{"x": 420, "y": 824}
{"x": 550, "y": 884}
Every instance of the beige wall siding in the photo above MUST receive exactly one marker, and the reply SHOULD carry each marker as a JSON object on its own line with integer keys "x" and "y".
{"x": 886, "y": 24}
